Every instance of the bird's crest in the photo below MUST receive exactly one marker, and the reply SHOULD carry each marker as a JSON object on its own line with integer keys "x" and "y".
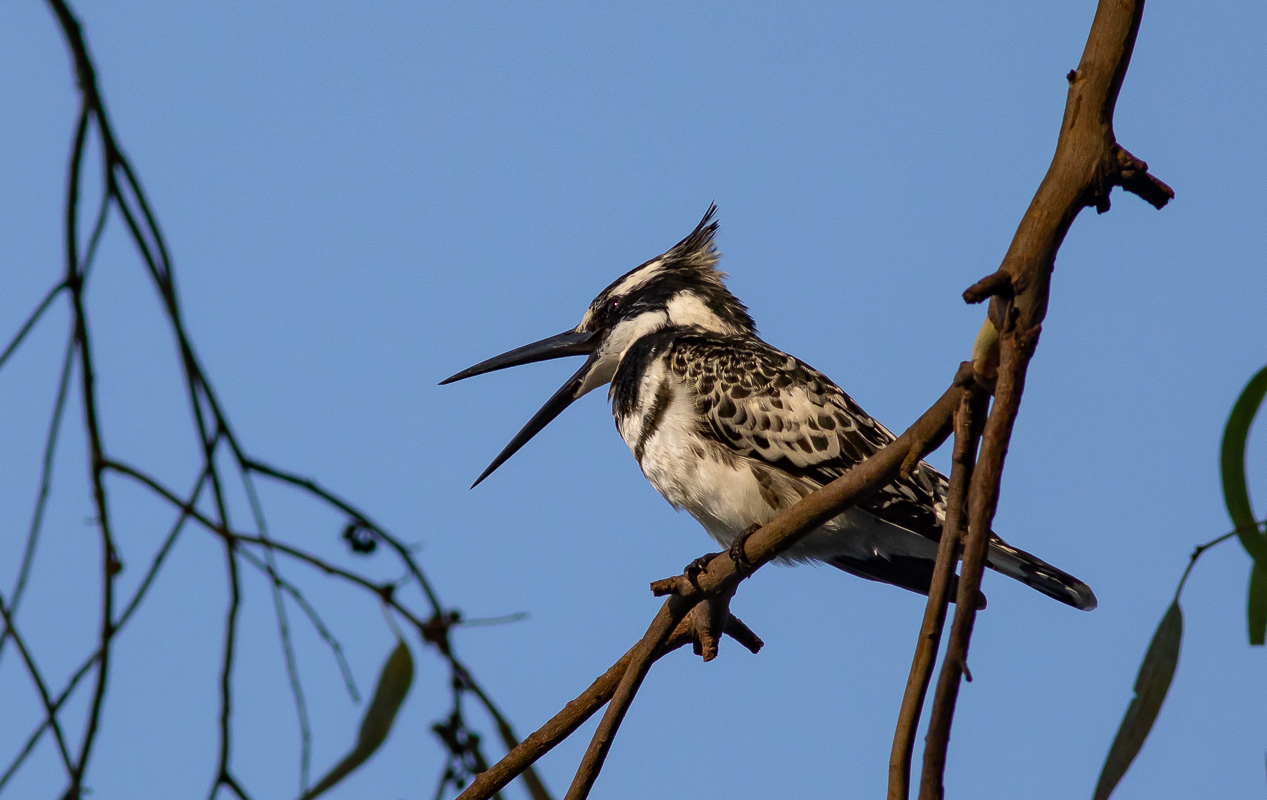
{"x": 697, "y": 251}
{"x": 688, "y": 267}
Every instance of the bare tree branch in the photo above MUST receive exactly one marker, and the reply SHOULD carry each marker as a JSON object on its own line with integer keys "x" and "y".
{"x": 122, "y": 190}
{"x": 50, "y": 710}
{"x": 967, "y": 436}
{"x": 1087, "y": 164}
{"x": 698, "y": 609}
{"x": 46, "y": 479}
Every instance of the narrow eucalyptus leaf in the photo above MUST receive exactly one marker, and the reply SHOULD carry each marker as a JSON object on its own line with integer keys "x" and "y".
{"x": 1151, "y": 686}
{"x": 1232, "y": 466}
{"x": 389, "y": 694}
{"x": 1257, "y": 605}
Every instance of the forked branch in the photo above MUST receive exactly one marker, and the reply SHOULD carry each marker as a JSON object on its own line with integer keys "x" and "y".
{"x": 697, "y": 608}
{"x": 1087, "y": 164}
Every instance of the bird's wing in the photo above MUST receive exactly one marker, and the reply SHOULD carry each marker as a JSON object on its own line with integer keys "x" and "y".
{"x": 765, "y": 404}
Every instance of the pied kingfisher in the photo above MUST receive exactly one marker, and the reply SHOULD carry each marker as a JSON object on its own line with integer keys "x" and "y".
{"x": 734, "y": 430}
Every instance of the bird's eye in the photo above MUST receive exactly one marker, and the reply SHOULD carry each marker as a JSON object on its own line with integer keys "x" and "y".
{"x": 613, "y": 305}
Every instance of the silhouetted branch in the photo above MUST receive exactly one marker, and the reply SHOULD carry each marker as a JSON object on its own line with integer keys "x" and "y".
{"x": 30, "y": 321}
{"x": 276, "y": 585}
{"x": 46, "y": 478}
{"x": 1196, "y": 554}
{"x": 318, "y": 624}
{"x": 83, "y": 669}
{"x": 122, "y": 191}
{"x": 312, "y": 487}
{"x": 109, "y": 558}
{"x": 50, "y": 711}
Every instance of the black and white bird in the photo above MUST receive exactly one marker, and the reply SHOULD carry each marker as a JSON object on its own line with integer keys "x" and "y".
{"x": 734, "y": 430}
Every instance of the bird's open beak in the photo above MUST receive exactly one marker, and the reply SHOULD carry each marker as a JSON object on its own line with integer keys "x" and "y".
{"x": 568, "y": 343}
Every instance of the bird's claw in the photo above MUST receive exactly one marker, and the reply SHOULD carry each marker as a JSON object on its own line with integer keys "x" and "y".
{"x": 742, "y": 565}
{"x": 693, "y": 569}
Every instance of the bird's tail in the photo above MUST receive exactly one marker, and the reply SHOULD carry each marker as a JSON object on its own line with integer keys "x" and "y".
{"x": 1038, "y": 574}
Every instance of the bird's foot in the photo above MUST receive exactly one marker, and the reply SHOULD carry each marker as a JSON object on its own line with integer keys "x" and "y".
{"x": 709, "y": 617}
{"x": 742, "y": 565}
{"x": 709, "y": 620}
{"x": 693, "y": 569}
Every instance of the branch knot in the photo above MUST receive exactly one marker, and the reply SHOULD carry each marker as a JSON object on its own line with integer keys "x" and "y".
{"x": 1121, "y": 168}
{"x": 996, "y": 284}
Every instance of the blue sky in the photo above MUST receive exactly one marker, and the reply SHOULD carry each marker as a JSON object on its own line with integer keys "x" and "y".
{"x": 364, "y": 198}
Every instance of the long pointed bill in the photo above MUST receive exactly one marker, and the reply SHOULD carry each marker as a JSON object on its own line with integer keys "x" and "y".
{"x": 568, "y": 343}
{"x": 563, "y": 398}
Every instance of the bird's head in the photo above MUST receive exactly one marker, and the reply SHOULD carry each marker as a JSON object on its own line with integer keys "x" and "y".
{"x": 679, "y": 288}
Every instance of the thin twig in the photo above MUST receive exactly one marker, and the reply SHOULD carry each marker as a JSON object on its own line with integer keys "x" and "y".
{"x": 312, "y": 487}
{"x": 317, "y": 623}
{"x": 484, "y": 622}
{"x": 161, "y": 554}
{"x": 226, "y": 669}
{"x": 283, "y": 633}
{"x": 87, "y": 664}
{"x": 50, "y": 711}
{"x": 31, "y": 319}
{"x": 967, "y": 436}
{"x": 46, "y": 480}
{"x": 1196, "y": 553}
{"x": 228, "y": 780}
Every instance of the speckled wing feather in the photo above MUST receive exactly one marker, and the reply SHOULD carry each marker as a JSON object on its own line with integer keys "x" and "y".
{"x": 766, "y": 404}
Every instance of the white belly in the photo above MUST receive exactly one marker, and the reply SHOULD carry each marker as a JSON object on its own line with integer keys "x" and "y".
{"x": 721, "y": 490}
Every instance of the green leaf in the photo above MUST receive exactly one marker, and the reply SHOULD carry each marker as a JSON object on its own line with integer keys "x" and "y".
{"x": 1232, "y": 464}
{"x": 1150, "y": 691}
{"x": 1257, "y": 605}
{"x": 389, "y": 694}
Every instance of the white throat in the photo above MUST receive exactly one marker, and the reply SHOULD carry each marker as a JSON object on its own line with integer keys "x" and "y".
{"x": 684, "y": 310}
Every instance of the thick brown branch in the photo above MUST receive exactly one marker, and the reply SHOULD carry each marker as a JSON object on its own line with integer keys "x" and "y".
{"x": 543, "y": 740}
{"x": 1087, "y": 163}
{"x": 644, "y": 655}
{"x": 573, "y": 715}
{"x": 982, "y": 502}
{"x": 532, "y": 782}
